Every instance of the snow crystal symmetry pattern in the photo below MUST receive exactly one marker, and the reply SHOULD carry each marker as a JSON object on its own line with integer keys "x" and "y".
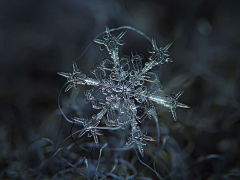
{"x": 122, "y": 81}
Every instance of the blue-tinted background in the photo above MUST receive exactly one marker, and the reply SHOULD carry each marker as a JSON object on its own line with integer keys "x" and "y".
{"x": 39, "y": 38}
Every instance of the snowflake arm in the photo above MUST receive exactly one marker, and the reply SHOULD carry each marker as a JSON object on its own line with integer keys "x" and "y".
{"x": 138, "y": 138}
{"x": 73, "y": 78}
{"x": 90, "y": 125}
{"x": 160, "y": 55}
{"x": 170, "y": 102}
{"x": 111, "y": 43}
{"x": 77, "y": 77}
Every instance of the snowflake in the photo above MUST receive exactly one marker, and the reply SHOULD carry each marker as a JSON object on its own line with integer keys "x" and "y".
{"x": 122, "y": 81}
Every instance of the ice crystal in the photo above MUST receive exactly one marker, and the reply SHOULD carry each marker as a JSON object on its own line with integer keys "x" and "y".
{"x": 122, "y": 81}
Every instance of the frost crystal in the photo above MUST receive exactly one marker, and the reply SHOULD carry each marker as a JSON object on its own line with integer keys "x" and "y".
{"x": 122, "y": 81}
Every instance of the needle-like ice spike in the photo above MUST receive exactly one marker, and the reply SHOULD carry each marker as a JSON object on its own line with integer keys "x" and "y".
{"x": 167, "y": 46}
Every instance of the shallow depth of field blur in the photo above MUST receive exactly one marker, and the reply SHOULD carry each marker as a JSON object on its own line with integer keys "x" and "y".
{"x": 40, "y": 38}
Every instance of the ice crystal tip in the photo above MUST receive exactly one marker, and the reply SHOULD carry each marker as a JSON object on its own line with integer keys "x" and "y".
{"x": 167, "y": 46}
{"x": 63, "y": 74}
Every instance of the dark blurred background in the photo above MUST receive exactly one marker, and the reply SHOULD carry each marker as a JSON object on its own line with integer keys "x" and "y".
{"x": 39, "y": 38}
